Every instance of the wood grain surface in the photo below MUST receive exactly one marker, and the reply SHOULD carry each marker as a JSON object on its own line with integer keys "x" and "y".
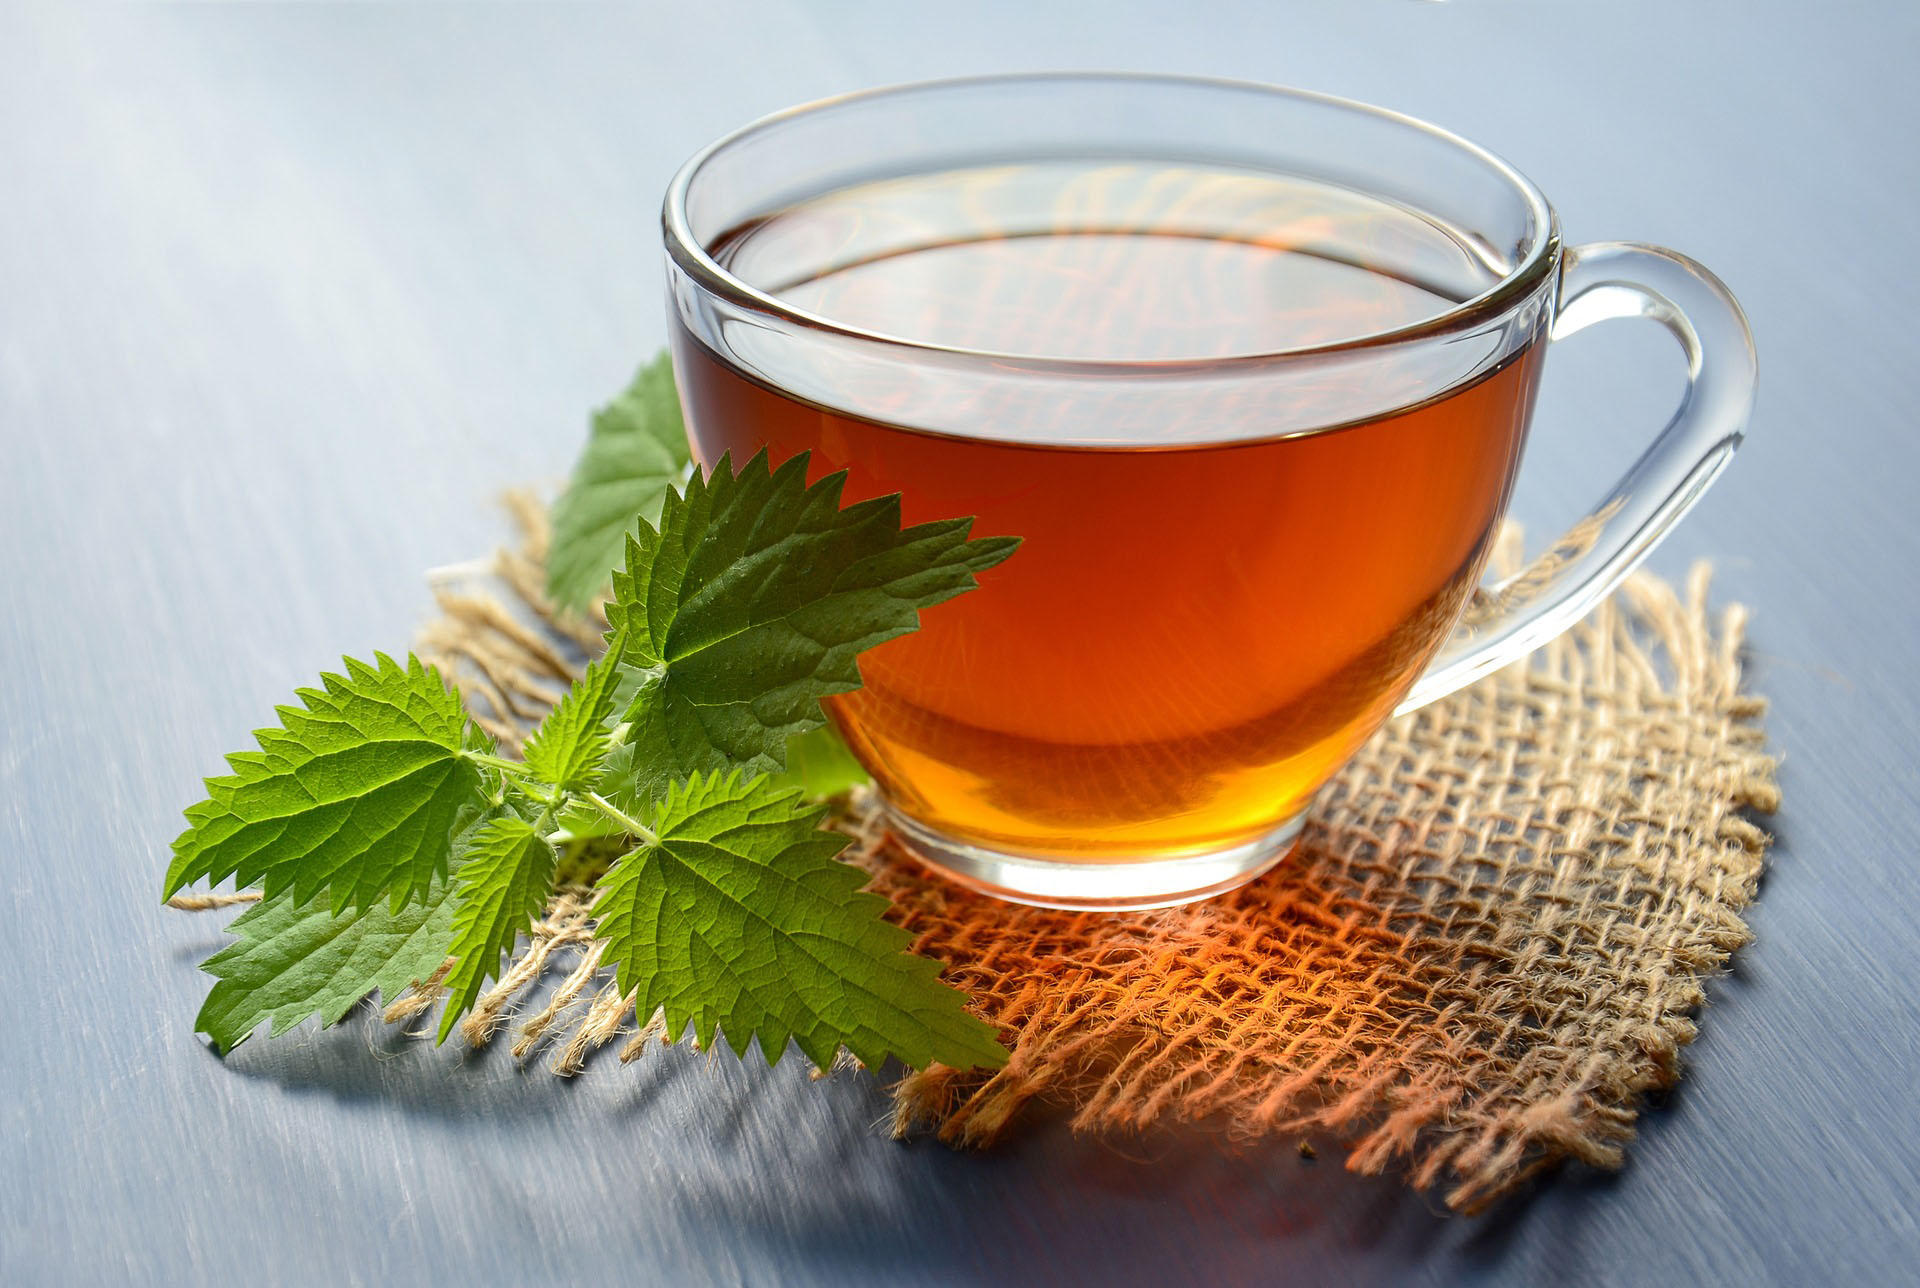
{"x": 287, "y": 292}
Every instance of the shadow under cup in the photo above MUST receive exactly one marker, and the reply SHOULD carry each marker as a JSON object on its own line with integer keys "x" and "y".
{"x": 1248, "y": 370}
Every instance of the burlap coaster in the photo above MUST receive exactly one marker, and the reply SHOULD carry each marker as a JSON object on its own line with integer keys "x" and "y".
{"x": 1490, "y": 943}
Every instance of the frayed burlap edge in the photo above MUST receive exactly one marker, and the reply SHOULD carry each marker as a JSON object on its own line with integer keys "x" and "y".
{"x": 1491, "y": 943}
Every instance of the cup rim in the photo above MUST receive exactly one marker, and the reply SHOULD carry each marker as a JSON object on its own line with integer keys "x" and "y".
{"x": 1517, "y": 285}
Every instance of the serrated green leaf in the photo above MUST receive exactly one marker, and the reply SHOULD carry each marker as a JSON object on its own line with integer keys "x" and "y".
{"x": 358, "y": 794}
{"x": 294, "y": 959}
{"x": 636, "y": 453}
{"x": 501, "y": 884}
{"x": 571, "y": 744}
{"x": 820, "y": 765}
{"x": 736, "y": 917}
{"x": 753, "y": 600}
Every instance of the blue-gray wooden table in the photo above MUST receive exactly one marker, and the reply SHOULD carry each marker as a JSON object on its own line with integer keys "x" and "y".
{"x": 287, "y": 292}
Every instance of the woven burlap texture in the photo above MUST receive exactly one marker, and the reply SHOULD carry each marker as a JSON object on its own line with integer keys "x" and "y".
{"x": 1490, "y": 943}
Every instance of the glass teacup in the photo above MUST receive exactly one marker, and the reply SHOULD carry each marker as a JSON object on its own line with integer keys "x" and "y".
{"x": 1249, "y": 370}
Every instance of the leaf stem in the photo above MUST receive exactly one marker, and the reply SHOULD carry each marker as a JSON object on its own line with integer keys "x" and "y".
{"x": 511, "y": 768}
{"x": 631, "y": 825}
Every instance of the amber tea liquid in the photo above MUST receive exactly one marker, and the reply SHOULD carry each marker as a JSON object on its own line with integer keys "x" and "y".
{"x": 1194, "y": 635}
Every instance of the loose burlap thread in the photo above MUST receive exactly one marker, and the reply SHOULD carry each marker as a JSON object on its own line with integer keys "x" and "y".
{"x": 1490, "y": 943}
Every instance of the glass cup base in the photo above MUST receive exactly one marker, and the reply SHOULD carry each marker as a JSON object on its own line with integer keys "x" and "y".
{"x": 1113, "y": 885}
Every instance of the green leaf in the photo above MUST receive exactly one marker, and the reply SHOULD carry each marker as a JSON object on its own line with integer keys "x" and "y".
{"x": 637, "y": 451}
{"x": 753, "y": 600}
{"x": 736, "y": 917}
{"x": 501, "y": 884}
{"x": 571, "y": 744}
{"x": 358, "y": 794}
{"x": 819, "y": 764}
{"x": 298, "y": 958}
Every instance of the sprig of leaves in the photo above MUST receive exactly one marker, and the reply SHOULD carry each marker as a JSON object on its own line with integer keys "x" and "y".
{"x": 394, "y": 845}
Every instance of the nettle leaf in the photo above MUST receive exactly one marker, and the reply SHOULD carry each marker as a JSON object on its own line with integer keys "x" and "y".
{"x": 753, "y": 600}
{"x": 637, "y": 452}
{"x": 747, "y": 605}
{"x": 737, "y": 918}
{"x": 297, "y": 958}
{"x": 571, "y": 744}
{"x": 504, "y": 876}
{"x": 358, "y": 794}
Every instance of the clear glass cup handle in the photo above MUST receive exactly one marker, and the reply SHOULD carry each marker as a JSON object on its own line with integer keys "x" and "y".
{"x": 1600, "y": 281}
